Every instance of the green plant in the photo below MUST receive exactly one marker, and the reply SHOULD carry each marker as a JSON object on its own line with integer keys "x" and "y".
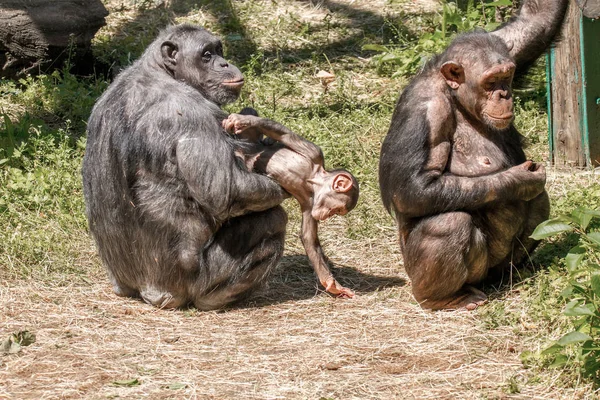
{"x": 13, "y": 136}
{"x": 408, "y": 54}
{"x": 580, "y": 346}
{"x": 41, "y": 204}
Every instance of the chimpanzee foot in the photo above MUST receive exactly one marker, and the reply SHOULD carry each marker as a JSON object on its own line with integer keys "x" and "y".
{"x": 161, "y": 299}
{"x": 477, "y": 298}
{"x": 468, "y": 298}
{"x": 124, "y": 291}
{"x": 333, "y": 287}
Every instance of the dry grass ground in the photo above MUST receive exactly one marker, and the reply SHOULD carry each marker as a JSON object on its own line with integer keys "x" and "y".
{"x": 291, "y": 340}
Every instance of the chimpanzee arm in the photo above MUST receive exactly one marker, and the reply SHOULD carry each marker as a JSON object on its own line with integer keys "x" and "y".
{"x": 312, "y": 246}
{"x": 218, "y": 183}
{"x": 534, "y": 28}
{"x": 413, "y": 175}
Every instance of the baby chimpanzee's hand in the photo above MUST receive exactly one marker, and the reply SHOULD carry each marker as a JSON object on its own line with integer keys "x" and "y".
{"x": 237, "y": 123}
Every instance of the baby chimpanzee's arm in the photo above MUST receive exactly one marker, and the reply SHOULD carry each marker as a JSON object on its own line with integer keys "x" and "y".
{"x": 310, "y": 240}
{"x": 238, "y": 123}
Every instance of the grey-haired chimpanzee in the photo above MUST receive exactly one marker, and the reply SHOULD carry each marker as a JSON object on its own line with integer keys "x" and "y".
{"x": 175, "y": 215}
{"x": 298, "y": 166}
{"x": 452, "y": 170}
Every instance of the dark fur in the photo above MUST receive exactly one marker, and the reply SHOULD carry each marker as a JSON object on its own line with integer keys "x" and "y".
{"x": 175, "y": 218}
{"x": 456, "y": 227}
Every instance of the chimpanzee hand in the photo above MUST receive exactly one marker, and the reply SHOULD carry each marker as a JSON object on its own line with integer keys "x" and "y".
{"x": 237, "y": 123}
{"x": 333, "y": 287}
{"x": 528, "y": 179}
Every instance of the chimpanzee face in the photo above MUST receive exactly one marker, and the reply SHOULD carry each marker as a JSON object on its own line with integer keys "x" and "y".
{"x": 336, "y": 195}
{"x": 484, "y": 91}
{"x": 328, "y": 203}
{"x": 480, "y": 74}
{"x": 197, "y": 59}
{"x": 496, "y": 95}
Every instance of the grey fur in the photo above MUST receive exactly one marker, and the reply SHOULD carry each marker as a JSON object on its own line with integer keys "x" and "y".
{"x": 174, "y": 217}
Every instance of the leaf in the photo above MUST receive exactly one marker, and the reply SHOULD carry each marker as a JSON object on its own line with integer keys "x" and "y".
{"x": 549, "y": 228}
{"x": 559, "y": 361}
{"x": 555, "y": 348}
{"x": 127, "y": 382}
{"x": 490, "y": 26}
{"x": 566, "y": 293}
{"x": 500, "y": 3}
{"x": 581, "y": 217}
{"x": 578, "y": 217}
{"x": 594, "y": 237}
{"x": 574, "y": 257}
{"x": 588, "y": 347}
{"x": 596, "y": 284}
{"x": 593, "y": 213}
{"x": 24, "y": 338}
{"x": 573, "y": 309}
{"x": 374, "y": 47}
{"x": 388, "y": 57}
{"x": 176, "y": 386}
{"x": 234, "y": 37}
{"x": 16, "y": 341}
{"x": 573, "y": 337}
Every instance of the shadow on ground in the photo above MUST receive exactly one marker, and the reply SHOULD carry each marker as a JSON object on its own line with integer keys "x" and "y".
{"x": 239, "y": 43}
{"x": 547, "y": 253}
{"x": 295, "y": 280}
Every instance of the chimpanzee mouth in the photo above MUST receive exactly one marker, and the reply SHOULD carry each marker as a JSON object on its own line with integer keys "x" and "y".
{"x": 234, "y": 83}
{"x": 500, "y": 122}
{"x": 504, "y": 117}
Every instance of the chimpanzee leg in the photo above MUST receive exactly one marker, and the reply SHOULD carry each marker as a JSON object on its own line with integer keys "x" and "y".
{"x": 121, "y": 289}
{"x": 537, "y": 211}
{"x": 443, "y": 255}
{"x": 244, "y": 251}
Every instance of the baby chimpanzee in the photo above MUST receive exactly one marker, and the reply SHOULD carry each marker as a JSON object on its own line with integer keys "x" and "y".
{"x": 298, "y": 166}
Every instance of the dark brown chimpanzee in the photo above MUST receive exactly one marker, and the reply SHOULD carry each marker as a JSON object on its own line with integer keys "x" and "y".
{"x": 176, "y": 217}
{"x": 298, "y": 166}
{"x": 452, "y": 170}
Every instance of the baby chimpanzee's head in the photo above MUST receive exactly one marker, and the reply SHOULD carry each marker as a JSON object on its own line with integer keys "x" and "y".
{"x": 337, "y": 195}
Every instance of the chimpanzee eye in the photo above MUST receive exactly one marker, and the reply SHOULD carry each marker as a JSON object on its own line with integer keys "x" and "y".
{"x": 206, "y": 56}
{"x": 490, "y": 85}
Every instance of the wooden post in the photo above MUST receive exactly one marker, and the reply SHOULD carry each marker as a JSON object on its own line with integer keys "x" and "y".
{"x": 573, "y": 72}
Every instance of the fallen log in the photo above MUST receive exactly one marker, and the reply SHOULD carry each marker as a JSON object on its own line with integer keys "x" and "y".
{"x": 38, "y": 35}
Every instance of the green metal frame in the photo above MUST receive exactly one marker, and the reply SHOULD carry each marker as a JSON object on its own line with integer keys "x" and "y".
{"x": 549, "y": 76}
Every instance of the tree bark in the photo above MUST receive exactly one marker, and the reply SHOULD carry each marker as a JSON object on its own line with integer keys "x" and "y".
{"x": 37, "y": 34}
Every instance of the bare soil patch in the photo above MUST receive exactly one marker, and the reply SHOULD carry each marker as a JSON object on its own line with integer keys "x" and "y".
{"x": 289, "y": 341}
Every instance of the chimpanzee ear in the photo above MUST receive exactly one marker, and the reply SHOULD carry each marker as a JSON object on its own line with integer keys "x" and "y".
{"x": 342, "y": 183}
{"x": 168, "y": 51}
{"x": 453, "y": 73}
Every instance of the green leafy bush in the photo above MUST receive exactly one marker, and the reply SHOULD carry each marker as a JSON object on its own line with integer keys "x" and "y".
{"x": 408, "y": 54}
{"x": 580, "y": 346}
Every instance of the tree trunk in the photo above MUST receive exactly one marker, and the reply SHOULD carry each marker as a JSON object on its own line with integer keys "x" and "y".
{"x": 36, "y": 34}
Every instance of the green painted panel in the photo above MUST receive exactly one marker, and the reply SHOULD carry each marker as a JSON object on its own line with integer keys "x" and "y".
{"x": 590, "y": 63}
